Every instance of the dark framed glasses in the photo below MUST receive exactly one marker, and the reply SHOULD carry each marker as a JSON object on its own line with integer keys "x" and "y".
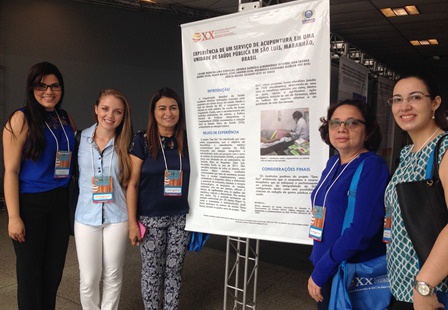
{"x": 44, "y": 87}
{"x": 350, "y": 123}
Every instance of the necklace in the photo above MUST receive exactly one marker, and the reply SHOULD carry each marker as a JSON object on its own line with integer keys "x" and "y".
{"x": 427, "y": 140}
{"x": 414, "y": 155}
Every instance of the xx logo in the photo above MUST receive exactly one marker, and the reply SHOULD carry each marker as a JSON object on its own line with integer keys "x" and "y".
{"x": 208, "y": 35}
{"x": 363, "y": 281}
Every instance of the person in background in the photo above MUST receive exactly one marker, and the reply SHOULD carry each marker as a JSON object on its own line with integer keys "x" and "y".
{"x": 418, "y": 110}
{"x": 301, "y": 131}
{"x": 157, "y": 196}
{"x": 351, "y": 129}
{"x": 38, "y": 141}
{"x": 101, "y": 219}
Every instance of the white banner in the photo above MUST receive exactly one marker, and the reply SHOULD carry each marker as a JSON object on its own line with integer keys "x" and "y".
{"x": 353, "y": 80}
{"x": 245, "y": 75}
{"x": 386, "y": 120}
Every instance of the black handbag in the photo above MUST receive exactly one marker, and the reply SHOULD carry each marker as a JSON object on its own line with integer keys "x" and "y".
{"x": 423, "y": 207}
{"x": 73, "y": 186}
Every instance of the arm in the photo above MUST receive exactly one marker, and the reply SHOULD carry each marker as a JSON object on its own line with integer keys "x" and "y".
{"x": 14, "y": 138}
{"x": 367, "y": 221}
{"x": 132, "y": 199}
{"x": 435, "y": 268}
{"x": 314, "y": 290}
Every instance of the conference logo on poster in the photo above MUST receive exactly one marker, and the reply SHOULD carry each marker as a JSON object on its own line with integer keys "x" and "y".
{"x": 308, "y": 17}
{"x": 213, "y": 34}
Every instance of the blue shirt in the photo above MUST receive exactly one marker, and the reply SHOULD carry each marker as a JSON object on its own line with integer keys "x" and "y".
{"x": 363, "y": 239}
{"x": 37, "y": 176}
{"x": 88, "y": 212}
{"x": 151, "y": 200}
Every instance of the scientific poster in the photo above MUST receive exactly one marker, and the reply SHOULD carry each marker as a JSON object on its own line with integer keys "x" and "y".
{"x": 256, "y": 84}
{"x": 353, "y": 80}
{"x": 386, "y": 121}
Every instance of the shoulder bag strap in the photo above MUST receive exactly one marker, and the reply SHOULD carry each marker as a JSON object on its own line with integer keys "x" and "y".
{"x": 432, "y": 168}
{"x": 349, "y": 212}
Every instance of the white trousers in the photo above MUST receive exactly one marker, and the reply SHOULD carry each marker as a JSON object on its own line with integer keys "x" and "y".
{"x": 101, "y": 251}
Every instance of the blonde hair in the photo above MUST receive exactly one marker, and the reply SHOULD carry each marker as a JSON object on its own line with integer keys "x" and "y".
{"x": 123, "y": 134}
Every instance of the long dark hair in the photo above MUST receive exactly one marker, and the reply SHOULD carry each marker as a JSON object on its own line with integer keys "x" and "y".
{"x": 373, "y": 133}
{"x": 433, "y": 91}
{"x": 35, "y": 112}
{"x": 152, "y": 132}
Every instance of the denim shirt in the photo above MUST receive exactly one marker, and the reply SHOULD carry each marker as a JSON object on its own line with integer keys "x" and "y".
{"x": 88, "y": 212}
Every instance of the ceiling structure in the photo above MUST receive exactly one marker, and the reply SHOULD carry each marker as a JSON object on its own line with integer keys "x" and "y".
{"x": 358, "y": 22}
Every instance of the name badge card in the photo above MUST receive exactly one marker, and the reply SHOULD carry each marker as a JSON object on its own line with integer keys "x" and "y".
{"x": 387, "y": 232}
{"x": 62, "y": 164}
{"x": 317, "y": 223}
{"x": 173, "y": 183}
{"x": 102, "y": 190}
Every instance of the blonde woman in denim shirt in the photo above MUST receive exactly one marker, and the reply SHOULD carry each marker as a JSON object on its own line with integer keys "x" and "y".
{"x": 101, "y": 219}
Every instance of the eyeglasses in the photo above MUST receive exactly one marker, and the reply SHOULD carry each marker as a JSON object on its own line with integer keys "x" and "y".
{"x": 412, "y": 99}
{"x": 44, "y": 87}
{"x": 351, "y": 123}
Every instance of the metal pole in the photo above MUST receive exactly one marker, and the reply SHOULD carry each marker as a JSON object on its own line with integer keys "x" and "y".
{"x": 246, "y": 264}
{"x": 250, "y": 255}
{"x": 237, "y": 272}
{"x": 226, "y": 272}
{"x": 257, "y": 250}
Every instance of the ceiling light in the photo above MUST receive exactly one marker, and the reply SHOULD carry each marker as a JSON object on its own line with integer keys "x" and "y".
{"x": 388, "y": 12}
{"x": 148, "y": 1}
{"x": 424, "y": 42}
{"x": 412, "y": 10}
{"x": 400, "y": 11}
{"x": 435, "y": 57}
{"x": 433, "y": 41}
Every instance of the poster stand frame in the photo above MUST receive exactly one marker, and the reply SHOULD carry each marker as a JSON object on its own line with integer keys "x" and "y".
{"x": 245, "y": 266}
{"x": 245, "y": 254}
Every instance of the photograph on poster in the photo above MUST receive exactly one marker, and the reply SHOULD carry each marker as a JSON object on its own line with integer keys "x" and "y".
{"x": 284, "y": 132}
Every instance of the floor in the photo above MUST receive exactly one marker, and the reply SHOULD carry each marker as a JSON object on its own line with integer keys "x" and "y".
{"x": 281, "y": 285}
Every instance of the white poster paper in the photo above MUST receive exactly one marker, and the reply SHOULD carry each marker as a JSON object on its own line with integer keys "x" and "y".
{"x": 245, "y": 75}
{"x": 353, "y": 80}
{"x": 390, "y": 132}
{"x": 386, "y": 120}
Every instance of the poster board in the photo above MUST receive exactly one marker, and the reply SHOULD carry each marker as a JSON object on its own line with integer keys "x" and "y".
{"x": 245, "y": 75}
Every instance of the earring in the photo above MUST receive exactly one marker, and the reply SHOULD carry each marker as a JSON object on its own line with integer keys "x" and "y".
{"x": 433, "y": 115}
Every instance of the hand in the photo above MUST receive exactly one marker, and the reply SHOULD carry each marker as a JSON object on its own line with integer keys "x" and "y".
{"x": 314, "y": 290}
{"x": 426, "y": 302}
{"x": 16, "y": 229}
{"x": 134, "y": 235}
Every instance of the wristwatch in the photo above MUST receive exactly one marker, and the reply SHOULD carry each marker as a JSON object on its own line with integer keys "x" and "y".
{"x": 423, "y": 288}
